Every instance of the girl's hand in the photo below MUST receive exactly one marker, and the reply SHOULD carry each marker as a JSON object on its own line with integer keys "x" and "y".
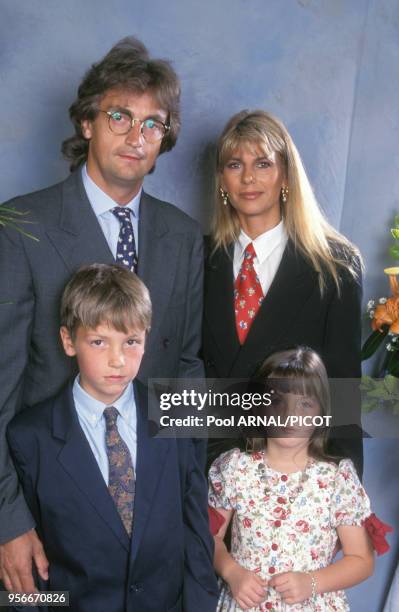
{"x": 247, "y": 588}
{"x": 294, "y": 587}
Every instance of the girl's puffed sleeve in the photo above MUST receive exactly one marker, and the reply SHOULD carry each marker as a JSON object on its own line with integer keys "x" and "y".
{"x": 350, "y": 504}
{"x": 222, "y": 480}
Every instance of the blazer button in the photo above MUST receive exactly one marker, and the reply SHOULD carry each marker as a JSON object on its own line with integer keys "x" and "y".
{"x": 136, "y": 588}
{"x": 209, "y": 363}
{"x": 165, "y": 342}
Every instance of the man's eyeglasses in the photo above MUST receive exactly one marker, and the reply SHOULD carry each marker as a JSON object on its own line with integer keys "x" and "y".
{"x": 120, "y": 122}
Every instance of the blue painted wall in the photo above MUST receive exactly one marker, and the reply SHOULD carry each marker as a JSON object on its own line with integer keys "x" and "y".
{"x": 328, "y": 68}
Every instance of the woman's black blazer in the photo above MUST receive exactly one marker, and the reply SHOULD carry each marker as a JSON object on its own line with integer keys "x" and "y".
{"x": 292, "y": 313}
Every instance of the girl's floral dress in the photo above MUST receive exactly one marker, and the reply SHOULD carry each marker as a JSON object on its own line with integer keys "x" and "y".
{"x": 271, "y": 534}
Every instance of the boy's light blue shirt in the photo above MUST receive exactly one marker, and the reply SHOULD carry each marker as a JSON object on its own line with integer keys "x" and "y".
{"x": 91, "y": 419}
{"x": 102, "y": 205}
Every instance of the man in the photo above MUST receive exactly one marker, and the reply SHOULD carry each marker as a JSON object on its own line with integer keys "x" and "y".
{"x": 125, "y": 115}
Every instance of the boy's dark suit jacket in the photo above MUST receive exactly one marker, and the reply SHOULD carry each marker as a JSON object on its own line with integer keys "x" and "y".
{"x": 33, "y": 275}
{"x": 292, "y": 313}
{"x": 167, "y": 567}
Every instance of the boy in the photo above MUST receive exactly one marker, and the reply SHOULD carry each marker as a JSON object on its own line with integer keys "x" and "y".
{"x": 122, "y": 516}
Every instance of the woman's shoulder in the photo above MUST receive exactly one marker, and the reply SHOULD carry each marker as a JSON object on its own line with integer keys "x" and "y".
{"x": 213, "y": 254}
{"x": 208, "y": 245}
{"x": 347, "y": 257}
{"x": 343, "y": 249}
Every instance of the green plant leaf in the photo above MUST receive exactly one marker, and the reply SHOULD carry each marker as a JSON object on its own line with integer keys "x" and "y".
{"x": 13, "y": 211}
{"x": 9, "y": 217}
{"x": 16, "y": 225}
{"x": 394, "y": 251}
{"x": 392, "y": 385}
{"x": 396, "y": 221}
{"x": 366, "y": 383}
{"x": 379, "y": 394}
{"x": 373, "y": 342}
{"x": 395, "y": 232}
{"x": 392, "y": 364}
{"x": 369, "y": 405}
{"x": 8, "y": 220}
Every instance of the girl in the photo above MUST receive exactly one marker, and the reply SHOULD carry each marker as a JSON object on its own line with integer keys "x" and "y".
{"x": 291, "y": 504}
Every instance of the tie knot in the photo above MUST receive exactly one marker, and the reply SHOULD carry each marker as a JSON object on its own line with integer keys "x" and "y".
{"x": 249, "y": 252}
{"x": 110, "y": 416}
{"x": 122, "y": 213}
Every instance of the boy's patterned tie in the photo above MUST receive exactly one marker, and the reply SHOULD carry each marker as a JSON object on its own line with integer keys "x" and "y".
{"x": 121, "y": 480}
{"x": 248, "y": 294}
{"x": 126, "y": 250}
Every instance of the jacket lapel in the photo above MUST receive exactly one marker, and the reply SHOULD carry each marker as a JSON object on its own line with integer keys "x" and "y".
{"x": 78, "y": 238}
{"x": 219, "y": 303}
{"x": 292, "y": 286}
{"x": 79, "y": 463}
{"x": 150, "y": 465}
{"x": 159, "y": 249}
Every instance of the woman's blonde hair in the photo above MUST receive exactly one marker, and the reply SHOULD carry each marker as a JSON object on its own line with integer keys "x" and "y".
{"x": 302, "y": 372}
{"x": 306, "y": 226}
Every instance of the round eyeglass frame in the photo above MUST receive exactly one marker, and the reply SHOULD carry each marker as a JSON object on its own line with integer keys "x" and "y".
{"x": 134, "y": 120}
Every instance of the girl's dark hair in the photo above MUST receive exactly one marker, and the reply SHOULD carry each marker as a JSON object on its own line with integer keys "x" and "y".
{"x": 299, "y": 371}
{"x": 126, "y": 66}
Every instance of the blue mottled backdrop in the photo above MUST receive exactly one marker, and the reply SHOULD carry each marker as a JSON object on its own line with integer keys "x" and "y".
{"x": 328, "y": 68}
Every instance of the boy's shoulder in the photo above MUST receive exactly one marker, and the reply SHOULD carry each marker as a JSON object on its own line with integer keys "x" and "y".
{"x": 39, "y": 417}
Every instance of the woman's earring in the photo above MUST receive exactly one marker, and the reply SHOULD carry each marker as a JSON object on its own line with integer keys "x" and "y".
{"x": 224, "y": 196}
{"x": 284, "y": 194}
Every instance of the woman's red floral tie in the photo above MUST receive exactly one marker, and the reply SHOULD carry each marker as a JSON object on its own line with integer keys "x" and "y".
{"x": 248, "y": 294}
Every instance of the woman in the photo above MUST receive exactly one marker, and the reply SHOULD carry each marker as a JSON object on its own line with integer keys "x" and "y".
{"x": 277, "y": 273}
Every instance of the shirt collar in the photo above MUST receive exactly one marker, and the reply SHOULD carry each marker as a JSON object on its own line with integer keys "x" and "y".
{"x": 265, "y": 243}
{"x": 102, "y": 202}
{"x": 91, "y": 410}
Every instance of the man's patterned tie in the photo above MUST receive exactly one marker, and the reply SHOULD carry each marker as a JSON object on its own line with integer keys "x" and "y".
{"x": 121, "y": 480}
{"x": 248, "y": 294}
{"x": 126, "y": 250}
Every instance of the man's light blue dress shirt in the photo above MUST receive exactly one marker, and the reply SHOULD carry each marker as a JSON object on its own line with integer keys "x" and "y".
{"x": 102, "y": 205}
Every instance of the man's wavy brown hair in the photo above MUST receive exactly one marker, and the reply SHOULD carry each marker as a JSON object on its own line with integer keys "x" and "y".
{"x": 127, "y": 66}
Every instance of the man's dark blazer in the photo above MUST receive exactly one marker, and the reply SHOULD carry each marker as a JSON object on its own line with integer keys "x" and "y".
{"x": 33, "y": 274}
{"x": 292, "y": 313}
{"x": 167, "y": 567}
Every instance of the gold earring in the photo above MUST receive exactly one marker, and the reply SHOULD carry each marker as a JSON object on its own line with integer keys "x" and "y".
{"x": 224, "y": 196}
{"x": 284, "y": 194}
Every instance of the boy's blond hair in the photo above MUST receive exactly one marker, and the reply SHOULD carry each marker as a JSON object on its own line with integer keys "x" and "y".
{"x": 102, "y": 293}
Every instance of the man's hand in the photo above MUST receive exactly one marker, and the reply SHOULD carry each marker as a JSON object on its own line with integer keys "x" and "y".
{"x": 247, "y": 587}
{"x": 294, "y": 587}
{"x": 16, "y": 562}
